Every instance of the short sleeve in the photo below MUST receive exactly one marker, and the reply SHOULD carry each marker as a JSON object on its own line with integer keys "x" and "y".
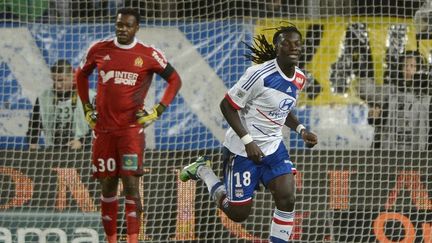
{"x": 245, "y": 89}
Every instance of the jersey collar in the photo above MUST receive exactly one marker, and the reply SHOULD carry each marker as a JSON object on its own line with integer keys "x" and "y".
{"x": 282, "y": 73}
{"x": 131, "y": 45}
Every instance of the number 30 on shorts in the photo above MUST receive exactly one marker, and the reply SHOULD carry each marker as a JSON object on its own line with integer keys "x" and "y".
{"x": 105, "y": 165}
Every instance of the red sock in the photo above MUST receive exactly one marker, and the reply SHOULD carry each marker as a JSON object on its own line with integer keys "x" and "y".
{"x": 133, "y": 214}
{"x": 109, "y": 206}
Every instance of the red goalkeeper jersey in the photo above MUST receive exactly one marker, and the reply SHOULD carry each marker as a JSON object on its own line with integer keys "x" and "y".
{"x": 125, "y": 73}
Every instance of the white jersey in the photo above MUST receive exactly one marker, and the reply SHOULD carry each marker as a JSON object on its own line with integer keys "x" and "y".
{"x": 264, "y": 96}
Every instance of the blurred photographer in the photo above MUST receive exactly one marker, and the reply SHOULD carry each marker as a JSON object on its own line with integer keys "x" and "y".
{"x": 58, "y": 113}
{"x": 400, "y": 109}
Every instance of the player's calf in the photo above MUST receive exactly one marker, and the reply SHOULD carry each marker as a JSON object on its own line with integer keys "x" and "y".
{"x": 109, "y": 208}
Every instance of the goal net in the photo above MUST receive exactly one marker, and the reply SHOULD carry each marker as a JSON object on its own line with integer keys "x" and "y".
{"x": 368, "y": 99}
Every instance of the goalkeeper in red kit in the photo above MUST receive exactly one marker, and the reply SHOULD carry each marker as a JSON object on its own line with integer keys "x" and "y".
{"x": 125, "y": 70}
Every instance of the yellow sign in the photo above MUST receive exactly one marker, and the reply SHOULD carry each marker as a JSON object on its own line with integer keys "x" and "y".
{"x": 331, "y": 47}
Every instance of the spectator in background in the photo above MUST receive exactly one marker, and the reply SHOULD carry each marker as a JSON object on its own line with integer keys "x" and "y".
{"x": 399, "y": 110}
{"x": 58, "y": 113}
{"x": 268, "y": 9}
{"x": 66, "y": 11}
{"x": 22, "y": 10}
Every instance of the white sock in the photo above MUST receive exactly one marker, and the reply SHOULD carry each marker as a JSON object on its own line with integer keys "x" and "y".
{"x": 281, "y": 226}
{"x": 214, "y": 185}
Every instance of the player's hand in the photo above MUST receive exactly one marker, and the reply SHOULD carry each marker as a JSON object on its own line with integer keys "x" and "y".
{"x": 146, "y": 118}
{"x": 75, "y": 144}
{"x": 90, "y": 115}
{"x": 309, "y": 138}
{"x": 253, "y": 152}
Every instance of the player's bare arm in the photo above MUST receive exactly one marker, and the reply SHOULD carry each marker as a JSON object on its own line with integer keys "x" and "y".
{"x": 308, "y": 137}
{"x": 230, "y": 113}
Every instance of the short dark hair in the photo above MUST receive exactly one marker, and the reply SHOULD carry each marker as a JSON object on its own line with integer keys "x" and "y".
{"x": 129, "y": 11}
{"x": 61, "y": 66}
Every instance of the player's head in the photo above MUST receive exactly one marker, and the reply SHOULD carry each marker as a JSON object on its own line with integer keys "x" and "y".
{"x": 127, "y": 24}
{"x": 62, "y": 75}
{"x": 286, "y": 46}
{"x": 410, "y": 63}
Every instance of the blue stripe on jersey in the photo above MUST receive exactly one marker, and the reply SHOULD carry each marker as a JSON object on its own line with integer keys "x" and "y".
{"x": 277, "y": 82}
{"x": 257, "y": 75}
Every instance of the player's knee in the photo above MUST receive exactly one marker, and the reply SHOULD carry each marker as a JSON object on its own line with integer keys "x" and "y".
{"x": 286, "y": 202}
{"x": 108, "y": 186}
{"x": 130, "y": 191}
{"x": 131, "y": 186}
{"x": 238, "y": 217}
{"x": 239, "y": 213}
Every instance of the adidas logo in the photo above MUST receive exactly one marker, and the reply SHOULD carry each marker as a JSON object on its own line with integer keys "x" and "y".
{"x": 289, "y": 90}
{"x": 107, "y": 58}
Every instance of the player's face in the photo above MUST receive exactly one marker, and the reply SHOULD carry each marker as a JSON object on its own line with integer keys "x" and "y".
{"x": 410, "y": 68}
{"x": 126, "y": 27}
{"x": 63, "y": 81}
{"x": 288, "y": 48}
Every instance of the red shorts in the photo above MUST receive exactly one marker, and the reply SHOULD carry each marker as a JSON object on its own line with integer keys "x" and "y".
{"x": 118, "y": 153}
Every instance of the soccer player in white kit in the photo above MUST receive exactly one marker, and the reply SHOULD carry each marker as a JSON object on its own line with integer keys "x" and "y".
{"x": 256, "y": 108}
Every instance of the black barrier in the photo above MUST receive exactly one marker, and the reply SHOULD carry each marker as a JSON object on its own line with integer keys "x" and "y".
{"x": 342, "y": 196}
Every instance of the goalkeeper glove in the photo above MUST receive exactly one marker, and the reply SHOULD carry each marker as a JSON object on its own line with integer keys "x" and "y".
{"x": 146, "y": 118}
{"x": 90, "y": 115}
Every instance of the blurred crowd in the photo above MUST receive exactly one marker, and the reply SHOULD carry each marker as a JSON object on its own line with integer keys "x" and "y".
{"x": 65, "y": 11}
{"x": 60, "y": 11}
{"x": 399, "y": 108}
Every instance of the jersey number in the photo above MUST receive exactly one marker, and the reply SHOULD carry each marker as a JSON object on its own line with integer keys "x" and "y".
{"x": 242, "y": 180}
{"x": 108, "y": 165}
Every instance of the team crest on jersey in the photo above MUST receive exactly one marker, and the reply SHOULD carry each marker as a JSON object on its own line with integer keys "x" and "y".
{"x": 239, "y": 192}
{"x": 299, "y": 80}
{"x": 138, "y": 62}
